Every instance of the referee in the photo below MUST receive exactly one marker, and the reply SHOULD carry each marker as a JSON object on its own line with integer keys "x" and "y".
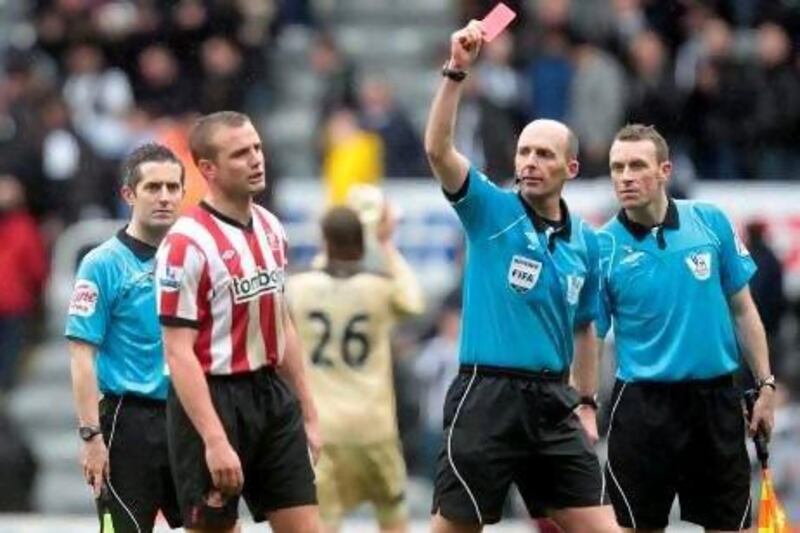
{"x": 675, "y": 288}
{"x": 530, "y": 285}
{"x": 114, "y": 339}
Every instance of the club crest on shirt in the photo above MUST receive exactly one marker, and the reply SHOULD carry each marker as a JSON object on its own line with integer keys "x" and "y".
{"x": 170, "y": 279}
{"x": 700, "y": 264}
{"x": 523, "y": 273}
{"x": 84, "y": 298}
{"x": 574, "y": 286}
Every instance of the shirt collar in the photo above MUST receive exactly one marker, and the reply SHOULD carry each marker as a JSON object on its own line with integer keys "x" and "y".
{"x": 640, "y": 231}
{"x": 142, "y": 250}
{"x": 541, "y": 224}
{"x": 226, "y": 218}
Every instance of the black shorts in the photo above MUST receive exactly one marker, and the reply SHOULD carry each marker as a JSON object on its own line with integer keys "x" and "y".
{"x": 264, "y": 424}
{"x": 140, "y": 483}
{"x": 684, "y": 438}
{"x": 508, "y": 426}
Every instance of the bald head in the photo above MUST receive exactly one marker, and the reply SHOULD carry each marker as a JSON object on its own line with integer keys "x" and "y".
{"x": 555, "y": 132}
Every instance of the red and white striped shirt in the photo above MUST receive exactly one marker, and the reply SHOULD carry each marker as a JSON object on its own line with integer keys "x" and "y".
{"x": 227, "y": 281}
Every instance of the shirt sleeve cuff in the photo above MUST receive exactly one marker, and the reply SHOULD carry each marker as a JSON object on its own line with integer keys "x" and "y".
{"x": 178, "y": 322}
{"x": 454, "y": 197}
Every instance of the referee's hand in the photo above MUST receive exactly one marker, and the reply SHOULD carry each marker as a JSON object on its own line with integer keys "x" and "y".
{"x": 224, "y": 467}
{"x": 94, "y": 460}
{"x": 465, "y": 45}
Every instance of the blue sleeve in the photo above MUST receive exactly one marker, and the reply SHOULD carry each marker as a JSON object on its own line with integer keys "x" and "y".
{"x": 587, "y": 305}
{"x": 736, "y": 265}
{"x": 474, "y": 202}
{"x": 606, "y": 252}
{"x": 89, "y": 306}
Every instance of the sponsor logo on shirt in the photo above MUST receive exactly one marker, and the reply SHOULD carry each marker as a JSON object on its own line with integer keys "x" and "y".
{"x": 574, "y": 286}
{"x": 84, "y": 298}
{"x": 262, "y": 282}
{"x": 171, "y": 278}
{"x": 523, "y": 273}
{"x": 700, "y": 264}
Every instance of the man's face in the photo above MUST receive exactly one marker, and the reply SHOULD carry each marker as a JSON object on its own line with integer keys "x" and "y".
{"x": 238, "y": 168}
{"x": 154, "y": 202}
{"x": 541, "y": 163}
{"x": 637, "y": 175}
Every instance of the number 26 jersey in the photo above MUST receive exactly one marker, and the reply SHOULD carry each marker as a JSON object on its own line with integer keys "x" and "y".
{"x": 344, "y": 317}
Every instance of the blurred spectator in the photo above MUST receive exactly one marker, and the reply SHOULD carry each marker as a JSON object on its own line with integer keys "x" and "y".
{"x": 652, "y": 95}
{"x": 778, "y": 107}
{"x": 597, "y": 101}
{"x": 767, "y": 289}
{"x": 434, "y": 370}
{"x": 99, "y": 98}
{"x": 550, "y": 77}
{"x": 161, "y": 88}
{"x": 337, "y": 78}
{"x": 21, "y": 88}
{"x": 403, "y": 156}
{"x": 222, "y": 85}
{"x": 23, "y": 264}
{"x": 352, "y": 155}
{"x": 337, "y": 73}
{"x": 720, "y": 111}
{"x": 499, "y": 92}
{"x": 77, "y": 184}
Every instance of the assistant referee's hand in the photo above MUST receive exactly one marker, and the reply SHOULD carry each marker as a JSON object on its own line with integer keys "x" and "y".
{"x": 94, "y": 460}
{"x": 224, "y": 466}
{"x": 763, "y": 417}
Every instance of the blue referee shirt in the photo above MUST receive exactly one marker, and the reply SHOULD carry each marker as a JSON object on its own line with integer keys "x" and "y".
{"x": 527, "y": 281}
{"x": 113, "y": 307}
{"x": 665, "y": 290}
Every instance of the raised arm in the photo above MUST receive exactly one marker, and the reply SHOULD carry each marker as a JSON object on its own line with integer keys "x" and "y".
{"x": 449, "y": 166}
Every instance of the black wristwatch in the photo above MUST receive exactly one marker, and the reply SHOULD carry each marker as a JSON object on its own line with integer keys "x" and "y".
{"x": 590, "y": 401}
{"x": 768, "y": 381}
{"x": 453, "y": 74}
{"x": 87, "y": 433}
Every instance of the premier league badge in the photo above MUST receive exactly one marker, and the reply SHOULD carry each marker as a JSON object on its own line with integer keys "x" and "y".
{"x": 700, "y": 265}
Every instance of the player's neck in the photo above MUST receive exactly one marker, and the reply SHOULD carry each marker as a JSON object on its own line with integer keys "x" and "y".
{"x": 237, "y": 209}
{"x": 150, "y": 236}
{"x": 651, "y": 214}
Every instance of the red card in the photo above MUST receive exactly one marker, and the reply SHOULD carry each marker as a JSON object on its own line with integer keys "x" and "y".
{"x": 496, "y": 21}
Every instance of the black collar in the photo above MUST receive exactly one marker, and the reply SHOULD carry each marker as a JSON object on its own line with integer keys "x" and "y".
{"x": 226, "y": 218}
{"x": 640, "y": 231}
{"x": 561, "y": 229}
{"x": 142, "y": 250}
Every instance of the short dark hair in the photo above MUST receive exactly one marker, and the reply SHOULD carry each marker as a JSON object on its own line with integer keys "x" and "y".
{"x": 642, "y": 132}
{"x": 200, "y": 143}
{"x": 147, "y": 153}
{"x": 343, "y": 232}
